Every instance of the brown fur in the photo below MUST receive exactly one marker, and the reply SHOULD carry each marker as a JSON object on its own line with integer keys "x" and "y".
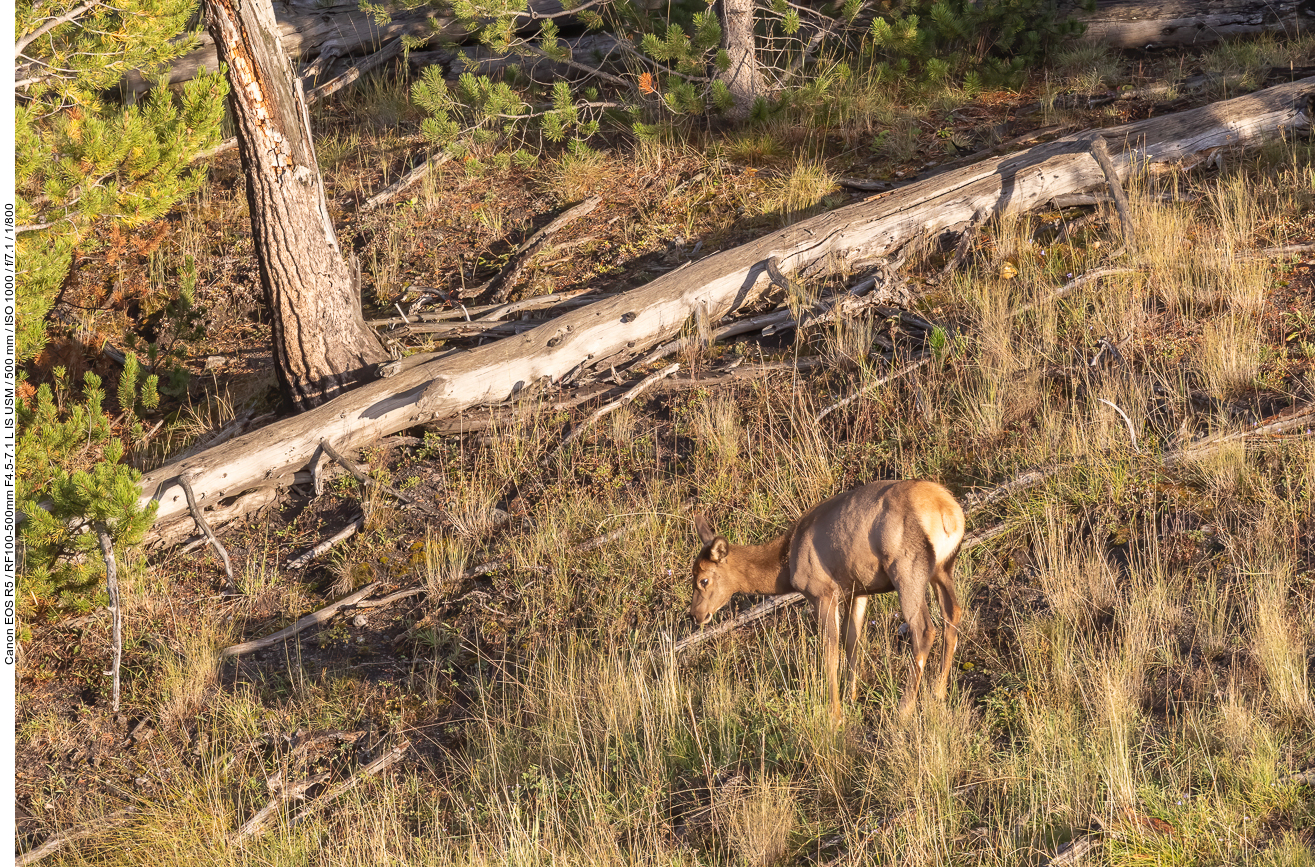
{"x": 882, "y": 536}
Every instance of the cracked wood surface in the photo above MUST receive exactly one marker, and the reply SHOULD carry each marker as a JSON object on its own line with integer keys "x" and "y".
{"x": 437, "y": 386}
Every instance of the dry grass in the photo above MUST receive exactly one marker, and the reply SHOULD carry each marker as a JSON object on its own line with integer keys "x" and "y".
{"x": 1137, "y": 646}
{"x": 799, "y": 191}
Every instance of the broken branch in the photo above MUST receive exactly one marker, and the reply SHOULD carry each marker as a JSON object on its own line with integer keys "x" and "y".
{"x": 302, "y": 559}
{"x": 1101, "y": 152}
{"x": 313, "y": 619}
{"x": 501, "y": 283}
{"x": 209, "y": 534}
{"x": 112, "y": 587}
{"x": 412, "y": 177}
{"x": 55, "y": 842}
{"x": 362, "y": 477}
{"x": 610, "y": 407}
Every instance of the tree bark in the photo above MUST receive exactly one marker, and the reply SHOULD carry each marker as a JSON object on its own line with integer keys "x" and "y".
{"x": 742, "y": 77}
{"x": 625, "y": 325}
{"x": 1136, "y": 24}
{"x": 322, "y": 345}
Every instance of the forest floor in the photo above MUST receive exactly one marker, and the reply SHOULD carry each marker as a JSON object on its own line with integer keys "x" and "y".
{"x": 1136, "y": 666}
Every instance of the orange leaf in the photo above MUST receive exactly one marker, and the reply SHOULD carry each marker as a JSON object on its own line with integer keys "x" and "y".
{"x": 646, "y": 83}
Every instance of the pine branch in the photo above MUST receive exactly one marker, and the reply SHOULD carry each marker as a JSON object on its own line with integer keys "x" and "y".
{"x": 541, "y": 110}
{"x": 52, "y": 23}
{"x": 565, "y": 13}
{"x": 606, "y": 76}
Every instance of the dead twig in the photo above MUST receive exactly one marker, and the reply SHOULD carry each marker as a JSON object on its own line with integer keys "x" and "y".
{"x": 610, "y": 407}
{"x": 502, "y": 282}
{"x": 556, "y": 300}
{"x": 116, "y": 612}
{"x": 285, "y": 793}
{"x": 312, "y": 619}
{"x": 373, "y": 769}
{"x": 1303, "y": 778}
{"x": 1073, "y": 851}
{"x": 412, "y": 177}
{"x": 890, "y": 377}
{"x": 454, "y": 330}
{"x": 392, "y": 597}
{"x": 770, "y": 323}
{"x": 1072, "y": 286}
{"x": 304, "y": 558}
{"x": 757, "y": 612}
{"x": 209, "y": 534}
{"x": 265, "y": 816}
{"x": 362, "y": 477}
{"x": 1281, "y": 252}
{"x": 1302, "y": 417}
{"x": 981, "y": 537}
{"x": 490, "y": 313}
{"x": 383, "y": 55}
{"x": 965, "y": 242}
{"x": 1131, "y": 433}
{"x": 55, "y": 842}
{"x": 1029, "y": 479}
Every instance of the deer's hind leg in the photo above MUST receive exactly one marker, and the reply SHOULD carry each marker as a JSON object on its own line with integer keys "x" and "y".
{"x": 951, "y": 613}
{"x": 911, "y": 577}
{"x": 829, "y": 606}
{"x": 858, "y": 607}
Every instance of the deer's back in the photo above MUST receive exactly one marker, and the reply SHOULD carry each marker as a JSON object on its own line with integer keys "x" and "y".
{"x": 854, "y": 537}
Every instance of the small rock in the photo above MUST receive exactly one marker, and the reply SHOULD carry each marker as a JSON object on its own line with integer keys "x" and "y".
{"x": 359, "y": 620}
{"x": 215, "y": 362}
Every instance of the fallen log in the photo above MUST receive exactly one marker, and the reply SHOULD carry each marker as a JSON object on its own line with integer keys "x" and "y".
{"x": 1137, "y": 24}
{"x": 432, "y": 386}
{"x": 314, "y": 30}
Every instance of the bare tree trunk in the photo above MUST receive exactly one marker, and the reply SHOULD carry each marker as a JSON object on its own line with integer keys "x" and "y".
{"x": 322, "y": 345}
{"x": 743, "y": 76}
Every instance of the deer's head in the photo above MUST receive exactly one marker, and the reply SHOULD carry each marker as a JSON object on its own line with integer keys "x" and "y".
{"x": 714, "y": 578}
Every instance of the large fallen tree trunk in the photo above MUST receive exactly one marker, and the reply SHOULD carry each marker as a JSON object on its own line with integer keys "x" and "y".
{"x": 242, "y": 470}
{"x": 311, "y": 30}
{"x": 1136, "y": 24}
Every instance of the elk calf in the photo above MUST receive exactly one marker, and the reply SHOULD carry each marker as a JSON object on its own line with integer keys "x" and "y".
{"x": 879, "y": 537}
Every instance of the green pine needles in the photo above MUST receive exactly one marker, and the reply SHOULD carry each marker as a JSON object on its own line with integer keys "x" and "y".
{"x": 126, "y": 164}
{"x": 668, "y": 65}
{"x": 979, "y": 44}
{"x": 70, "y": 478}
{"x": 86, "y": 160}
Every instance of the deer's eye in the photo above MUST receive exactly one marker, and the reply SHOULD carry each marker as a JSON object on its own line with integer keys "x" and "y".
{"x": 703, "y": 582}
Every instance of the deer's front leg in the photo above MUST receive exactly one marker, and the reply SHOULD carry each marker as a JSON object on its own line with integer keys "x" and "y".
{"x": 858, "y": 607}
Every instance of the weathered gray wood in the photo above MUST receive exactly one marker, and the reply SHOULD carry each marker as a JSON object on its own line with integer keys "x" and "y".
{"x": 1136, "y": 24}
{"x": 312, "y": 30}
{"x": 321, "y": 343}
{"x": 429, "y": 387}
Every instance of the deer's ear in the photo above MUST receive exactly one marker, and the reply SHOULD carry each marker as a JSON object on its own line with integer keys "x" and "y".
{"x": 704, "y": 529}
{"x": 718, "y": 550}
